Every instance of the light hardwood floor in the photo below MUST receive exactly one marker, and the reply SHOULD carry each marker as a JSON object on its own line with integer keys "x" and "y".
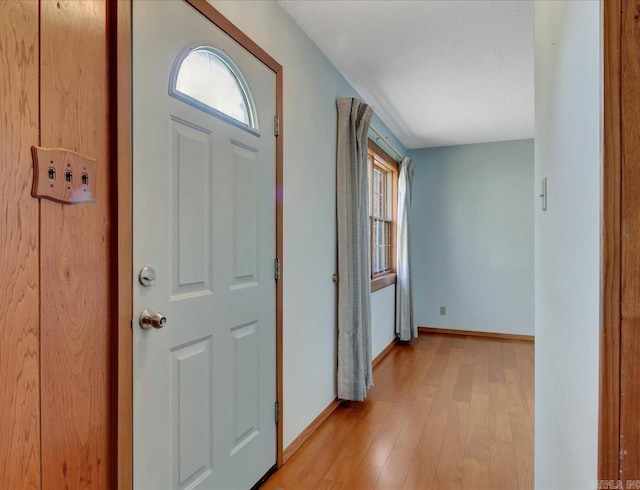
{"x": 446, "y": 412}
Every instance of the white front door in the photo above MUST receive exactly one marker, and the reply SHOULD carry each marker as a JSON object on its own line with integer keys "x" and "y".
{"x": 204, "y": 220}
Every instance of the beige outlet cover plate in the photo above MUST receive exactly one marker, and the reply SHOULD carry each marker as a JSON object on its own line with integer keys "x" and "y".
{"x": 63, "y": 176}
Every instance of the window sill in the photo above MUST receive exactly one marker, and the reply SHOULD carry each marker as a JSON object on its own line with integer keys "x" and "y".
{"x": 383, "y": 281}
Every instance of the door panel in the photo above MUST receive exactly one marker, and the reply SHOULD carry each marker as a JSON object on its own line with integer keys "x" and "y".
{"x": 245, "y": 230}
{"x": 204, "y": 218}
{"x": 246, "y": 377}
{"x": 191, "y": 189}
{"x": 192, "y": 391}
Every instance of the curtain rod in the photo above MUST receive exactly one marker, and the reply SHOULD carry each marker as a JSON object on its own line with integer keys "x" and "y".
{"x": 384, "y": 138}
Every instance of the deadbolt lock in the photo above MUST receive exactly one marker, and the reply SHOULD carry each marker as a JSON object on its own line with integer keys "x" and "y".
{"x": 147, "y": 276}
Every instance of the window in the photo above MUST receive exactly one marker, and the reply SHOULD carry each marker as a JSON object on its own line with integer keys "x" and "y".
{"x": 383, "y": 184}
{"x": 209, "y": 80}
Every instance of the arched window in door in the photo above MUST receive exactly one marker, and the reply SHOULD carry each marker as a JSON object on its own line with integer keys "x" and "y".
{"x": 206, "y": 78}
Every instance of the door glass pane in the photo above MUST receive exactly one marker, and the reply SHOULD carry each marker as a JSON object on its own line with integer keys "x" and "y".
{"x": 207, "y": 78}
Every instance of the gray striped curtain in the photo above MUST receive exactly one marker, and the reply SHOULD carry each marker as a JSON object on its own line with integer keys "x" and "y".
{"x": 406, "y": 326}
{"x": 354, "y": 280}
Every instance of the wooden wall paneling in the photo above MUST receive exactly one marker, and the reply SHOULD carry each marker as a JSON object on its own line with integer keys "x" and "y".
{"x": 78, "y": 315}
{"x": 19, "y": 248}
{"x": 630, "y": 326}
{"x": 120, "y": 35}
{"x": 609, "y": 427}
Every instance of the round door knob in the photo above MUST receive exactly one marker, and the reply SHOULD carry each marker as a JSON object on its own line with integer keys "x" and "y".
{"x": 150, "y": 318}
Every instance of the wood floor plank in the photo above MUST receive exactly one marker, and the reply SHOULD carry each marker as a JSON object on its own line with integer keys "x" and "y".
{"x": 404, "y": 371}
{"x": 499, "y": 421}
{"x": 445, "y": 413}
{"x": 314, "y": 471}
{"x": 496, "y": 368}
{"x": 356, "y": 445}
{"x": 470, "y": 350}
{"x": 477, "y": 463}
{"x": 464, "y": 383}
{"x": 364, "y": 477}
{"x": 477, "y": 474}
{"x": 409, "y": 436}
{"x": 451, "y": 460}
{"x": 481, "y": 367}
{"x": 395, "y": 470}
{"x": 425, "y": 356}
{"x": 457, "y": 341}
{"x": 434, "y": 375}
{"x": 380, "y": 448}
{"x": 523, "y": 448}
{"x": 525, "y": 357}
{"x": 423, "y": 467}
{"x": 327, "y": 484}
{"x": 516, "y": 397}
{"x": 503, "y": 465}
{"x": 508, "y": 355}
{"x": 450, "y": 373}
{"x": 308, "y": 450}
{"x": 526, "y": 363}
{"x": 381, "y": 380}
{"x": 478, "y": 433}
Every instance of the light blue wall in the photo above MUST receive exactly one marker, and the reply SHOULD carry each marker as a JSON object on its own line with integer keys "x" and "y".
{"x": 472, "y": 237}
{"x": 568, "y": 72}
{"x": 311, "y": 86}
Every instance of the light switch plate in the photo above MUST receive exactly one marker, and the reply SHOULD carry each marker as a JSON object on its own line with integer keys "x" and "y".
{"x": 63, "y": 176}
{"x": 544, "y": 194}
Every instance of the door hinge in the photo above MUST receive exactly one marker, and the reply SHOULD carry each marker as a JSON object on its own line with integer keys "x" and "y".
{"x": 277, "y": 412}
{"x": 276, "y": 269}
{"x": 276, "y": 125}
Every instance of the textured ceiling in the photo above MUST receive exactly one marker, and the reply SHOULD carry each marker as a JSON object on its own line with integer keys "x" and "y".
{"x": 437, "y": 72}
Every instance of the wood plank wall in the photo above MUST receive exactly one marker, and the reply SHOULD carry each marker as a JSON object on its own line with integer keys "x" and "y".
{"x": 609, "y": 428}
{"x": 57, "y": 303}
{"x": 630, "y": 221}
{"x": 19, "y": 248}
{"x": 76, "y": 288}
